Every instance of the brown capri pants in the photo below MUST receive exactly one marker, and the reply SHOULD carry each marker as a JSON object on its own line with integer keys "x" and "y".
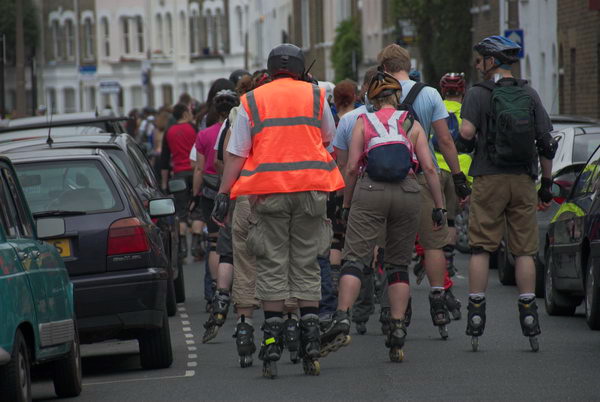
{"x": 391, "y": 208}
{"x": 287, "y": 233}
{"x": 430, "y": 239}
{"x": 499, "y": 201}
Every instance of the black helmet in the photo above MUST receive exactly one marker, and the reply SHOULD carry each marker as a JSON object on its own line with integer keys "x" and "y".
{"x": 499, "y": 47}
{"x": 286, "y": 59}
{"x": 237, "y": 75}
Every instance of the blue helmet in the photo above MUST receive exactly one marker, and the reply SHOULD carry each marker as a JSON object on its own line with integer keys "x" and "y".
{"x": 503, "y": 49}
{"x": 415, "y": 75}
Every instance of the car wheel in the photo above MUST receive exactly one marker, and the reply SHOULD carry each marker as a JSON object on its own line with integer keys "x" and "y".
{"x": 15, "y": 376}
{"x": 506, "y": 270}
{"x": 555, "y": 301}
{"x": 539, "y": 276}
{"x": 155, "y": 347}
{"x": 67, "y": 372}
{"x": 180, "y": 285}
{"x": 171, "y": 301}
{"x": 592, "y": 296}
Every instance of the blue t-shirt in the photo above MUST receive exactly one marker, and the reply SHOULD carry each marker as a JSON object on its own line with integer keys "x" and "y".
{"x": 343, "y": 133}
{"x": 429, "y": 105}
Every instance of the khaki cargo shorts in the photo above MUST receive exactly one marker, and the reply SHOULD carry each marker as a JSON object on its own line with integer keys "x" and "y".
{"x": 428, "y": 238}
{"x": 504, "y": 201}
{"x": 287, "y": 233}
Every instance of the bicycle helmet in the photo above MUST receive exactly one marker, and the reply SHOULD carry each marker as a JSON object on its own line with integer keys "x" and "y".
{"x": 504, "y": 50}
{"x": 383, "y": 85}
{"x": 286, "y": 60}
{"x": 225, "y": 100}
{"x": 237, "y": 75}
{"x": 453, "y": 84}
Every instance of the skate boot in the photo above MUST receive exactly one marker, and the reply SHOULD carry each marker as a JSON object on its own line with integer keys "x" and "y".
{"x": 310, "y": 345}
{"x": 419, "y": 270}
{"x": 361, "y": 327}
{"x": 453, "y": 304}
{"x": 220, "y": 307}
{"x": 183, "y": 249}
{"x": 198, "y": 249}
{"x": 244, "y": 340}
{"x": 384, "y": 319}
{"x": 337, "y": 333}
{"x": 439, "y": 312}
{"x": 292, "y": 338}
{"x": 475, "y": 320}
{"x": 530, "y": 324}
{"x": 395, "y": 339}
{"x": 449, "y": 254}
{"x": 270, "y": 349}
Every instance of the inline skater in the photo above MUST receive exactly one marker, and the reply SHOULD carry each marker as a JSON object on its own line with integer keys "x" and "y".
{"x": 505, "y": 167}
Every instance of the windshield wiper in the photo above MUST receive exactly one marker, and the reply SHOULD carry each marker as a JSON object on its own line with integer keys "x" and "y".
{"x": 58, "y": 212}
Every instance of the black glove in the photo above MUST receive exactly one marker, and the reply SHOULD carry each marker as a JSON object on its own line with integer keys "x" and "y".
{"x": 194, "y": 202}
{"x": 461, "y": 187}
{"x": 438, "y": 215}
{"x": 545, "y": 191}
{"x": 221, "y": 208}
{"x": 344, "y": 215}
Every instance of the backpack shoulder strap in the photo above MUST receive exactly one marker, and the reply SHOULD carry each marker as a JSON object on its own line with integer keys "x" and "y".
{"x": 220, "y": 148}
{"x": 413, "y": 93}
{"x": 377, "y": 124}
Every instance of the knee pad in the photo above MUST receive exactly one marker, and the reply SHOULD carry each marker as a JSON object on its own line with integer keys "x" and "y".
{"x": 226, "y": 259}
{"x": 353, "y": 268}
{"x": 451, "y": 223}
{"x": 448, "y": 248}
{"x": 396, "y": 274}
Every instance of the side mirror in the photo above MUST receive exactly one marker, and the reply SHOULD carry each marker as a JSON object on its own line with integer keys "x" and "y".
{"x": 160, "y": 207}
{"x": 177, "y": 185}
{"x": 50, "y": 227}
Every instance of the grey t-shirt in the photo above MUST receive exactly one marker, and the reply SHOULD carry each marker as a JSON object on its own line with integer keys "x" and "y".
{"x": 475, "y": 108}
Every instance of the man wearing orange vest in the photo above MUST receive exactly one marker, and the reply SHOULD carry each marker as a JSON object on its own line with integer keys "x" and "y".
{"x": 277, "y": 156}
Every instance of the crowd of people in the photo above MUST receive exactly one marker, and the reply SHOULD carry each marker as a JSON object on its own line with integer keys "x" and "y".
{"x": 311, "y": 207}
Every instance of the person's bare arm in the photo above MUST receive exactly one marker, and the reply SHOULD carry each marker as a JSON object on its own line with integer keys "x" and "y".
{"x": 467, "y": 130}
{"x": 352, "y": 166}
{"x": 198, "y": 174}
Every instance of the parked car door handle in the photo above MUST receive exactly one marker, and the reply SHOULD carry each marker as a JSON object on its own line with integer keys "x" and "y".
{"x": 36, "y": 254}
{"x": 22, "y": 255}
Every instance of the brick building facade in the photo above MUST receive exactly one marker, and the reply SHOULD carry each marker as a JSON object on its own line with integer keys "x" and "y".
{"x": 579, "y": 57}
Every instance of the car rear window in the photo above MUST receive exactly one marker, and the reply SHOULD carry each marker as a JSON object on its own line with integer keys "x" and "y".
{"x": 68, "y": 185}
{"x": 584, "y": 146}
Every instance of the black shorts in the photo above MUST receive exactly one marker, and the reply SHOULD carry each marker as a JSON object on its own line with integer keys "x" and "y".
{"x": 182, "y": 198}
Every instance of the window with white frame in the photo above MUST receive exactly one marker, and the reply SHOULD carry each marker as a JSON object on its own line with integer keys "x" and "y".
{"x": 56, "y": 40}
{"x": 169, "y": 24}
{"x": 240, "y": 24}
{"x": 305, "y": 16}
{"x": 194, "y": 32}
{"x": 139, "y": 24}
{"x": 159, "y": 33}
{"x": 88, "y": 39}
{"x": 105, "y": 36}
{"x": 125, "y": 35}
{"x": 69, "y": 40}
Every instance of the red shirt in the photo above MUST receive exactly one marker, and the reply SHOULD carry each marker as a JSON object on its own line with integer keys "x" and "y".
{"x": 180, "y": 139}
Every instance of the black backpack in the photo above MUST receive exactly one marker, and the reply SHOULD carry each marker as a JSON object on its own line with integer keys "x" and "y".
{"x": 510, "y": 137}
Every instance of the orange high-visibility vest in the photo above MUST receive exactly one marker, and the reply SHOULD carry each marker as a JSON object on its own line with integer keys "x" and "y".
{"x": 287, "y": 154}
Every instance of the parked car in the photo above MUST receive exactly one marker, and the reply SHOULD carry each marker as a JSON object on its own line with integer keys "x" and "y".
{"x": 573, "y": 253}
{"x": 32, "y": 278}
{"x": 127, "y": 155}
{"x": 109, "y": 124}
{"x": 113, "y": 251}
{"x": 575, "y": 146}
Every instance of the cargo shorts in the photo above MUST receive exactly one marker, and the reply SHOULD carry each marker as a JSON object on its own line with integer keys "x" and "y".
{"x": 244, "y": 263}
{"x": 430, "y": 239}
{"x": 287, "y": 233}
{"x": 504, "y": 201}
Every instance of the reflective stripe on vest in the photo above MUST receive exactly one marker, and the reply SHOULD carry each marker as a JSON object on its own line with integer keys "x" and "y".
{"x": 290, "y": 166}
{"x": 259, "y": 124}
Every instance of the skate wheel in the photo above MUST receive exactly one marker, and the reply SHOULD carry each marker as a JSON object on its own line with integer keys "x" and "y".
{"x": 311, "y": 367}
{"x": 245, "y": 361}
{"x": 294, "y": 356}
{"x": 336, "y": 344}
{"x": 269, "y": 369}
{"x": 475, "y": 343}
{"x": 535, "y": 344}
{"x": 443, "y": 332}
{"x": 396, "y": 355}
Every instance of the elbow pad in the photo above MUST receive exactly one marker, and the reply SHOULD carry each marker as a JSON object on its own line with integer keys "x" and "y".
{"x": 546, "y": 146}
{"x": 464, "y": 146}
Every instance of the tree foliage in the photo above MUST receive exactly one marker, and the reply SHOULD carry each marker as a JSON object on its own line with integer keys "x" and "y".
{"x": 346, "y": 50}
{"x": 8, "y": 25}
{"x": 443, "y": 30}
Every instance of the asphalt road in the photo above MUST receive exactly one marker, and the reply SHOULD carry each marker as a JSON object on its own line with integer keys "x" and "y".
{"x": 566, "y": 368}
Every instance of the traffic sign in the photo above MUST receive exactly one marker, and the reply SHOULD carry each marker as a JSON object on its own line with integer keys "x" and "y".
{"x": 517, "y": 36}
{"x": 110, "y": 87}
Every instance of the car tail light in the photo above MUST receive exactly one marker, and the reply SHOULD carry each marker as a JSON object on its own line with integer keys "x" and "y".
{"x": 127, "y": 236}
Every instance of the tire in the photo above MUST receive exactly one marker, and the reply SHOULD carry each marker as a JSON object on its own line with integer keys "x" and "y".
{"x": 67, "y": 372}
{"x": 171, "y": 303}
{"x": 539, "y": 276}
{"x": 506, "y": 270}
{"x": 592, "y": 295}
{"x": 180, "y": 285}
{"x": 155, "y": 347}
{"x": 15, "y": 376}
{"x": 555, "y": 301}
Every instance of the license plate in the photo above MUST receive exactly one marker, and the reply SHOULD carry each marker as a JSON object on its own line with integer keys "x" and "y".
{"x": 63, "y": 246}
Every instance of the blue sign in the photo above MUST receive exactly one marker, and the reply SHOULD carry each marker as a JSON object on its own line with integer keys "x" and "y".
{"x": 87, "y": 69}
{"x": 517, "y": 36}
